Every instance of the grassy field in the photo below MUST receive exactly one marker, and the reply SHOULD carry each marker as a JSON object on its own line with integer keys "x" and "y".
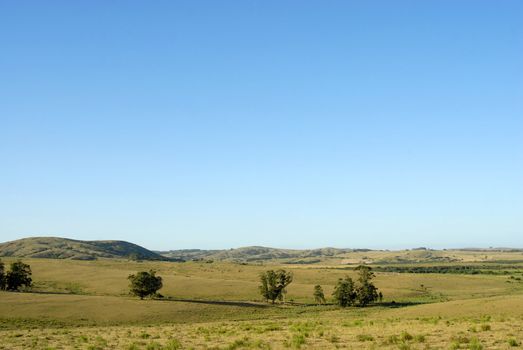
{"x": 215, "y": 305}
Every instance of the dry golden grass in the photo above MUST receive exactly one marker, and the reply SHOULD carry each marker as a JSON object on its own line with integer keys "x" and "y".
{"x": 450, "y": 311}
{"x": 229, "y": 281}
{"x": 379, "y": 329}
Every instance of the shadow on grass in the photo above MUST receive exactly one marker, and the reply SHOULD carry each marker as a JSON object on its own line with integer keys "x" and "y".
{"x": 398, "y": 304}
{"x": 251, "y": 304}
{"x": 391, "y": 304}
{"x": 217, "y": 302}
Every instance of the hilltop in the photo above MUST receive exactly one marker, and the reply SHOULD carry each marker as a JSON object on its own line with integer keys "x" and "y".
{"x": 64, "y": 248}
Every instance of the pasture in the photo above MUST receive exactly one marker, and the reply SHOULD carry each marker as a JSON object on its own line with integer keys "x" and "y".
{"x": 216, "y": 305}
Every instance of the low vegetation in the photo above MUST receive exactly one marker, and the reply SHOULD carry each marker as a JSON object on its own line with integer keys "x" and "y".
{"x": 211, "y": 304}
{"x": 490, "y": 269}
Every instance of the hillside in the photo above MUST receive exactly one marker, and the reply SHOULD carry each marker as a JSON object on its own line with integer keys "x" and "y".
{"x": 256, "y": 253}
{"x": 347, "y": 256}
{"x": 64, "y": 248}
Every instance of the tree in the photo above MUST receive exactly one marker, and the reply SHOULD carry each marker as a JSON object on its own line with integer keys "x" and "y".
{"x": 2, "y": 276}
{"x": 366, "y": 292}
{"x": 344, "y": 293}
{"x": 145, "y": 283}
{"x": 273, "y": 284}
{"x": 319, "y": 297}
{"x": 18, "y": 276}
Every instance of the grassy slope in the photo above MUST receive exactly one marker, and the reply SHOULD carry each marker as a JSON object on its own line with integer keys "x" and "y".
{"x": 486, "y": 323}
{"x": 63, "y": 248}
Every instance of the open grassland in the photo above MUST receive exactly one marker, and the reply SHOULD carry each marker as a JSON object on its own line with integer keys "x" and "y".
{"x": 216, "y": 305}
{"x": 491, "y": 323}
{"x": 239, "y": 282}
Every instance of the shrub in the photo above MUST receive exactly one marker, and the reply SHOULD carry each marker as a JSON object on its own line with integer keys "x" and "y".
{"x": 392, "y": 339}
{"x": 406, "y": 336}
{"x": 334, "y": 339}
{"x": 475, "y": 344}
{"x": 298, "y": 340}
{"x": 420, "y": 338}
{"x": 513, "y": 342}
{"x": 154, "y": 346}
{"x": 485, "y": 327}
{"x": 365, "y": 337}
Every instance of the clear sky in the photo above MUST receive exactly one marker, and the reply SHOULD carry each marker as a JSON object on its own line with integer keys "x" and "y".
{"x": 218, "y": 124}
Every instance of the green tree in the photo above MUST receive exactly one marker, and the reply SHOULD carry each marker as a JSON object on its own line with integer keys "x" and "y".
{"x": 145, "y": 283}
{"x": 274, "y": 283}
{"x": 2, "y": 276}
{"x": 19, "y": 275}
{"x": 319, "y": 297}
{"x": 366, "y": 291}
{"x": 344, "y": 293}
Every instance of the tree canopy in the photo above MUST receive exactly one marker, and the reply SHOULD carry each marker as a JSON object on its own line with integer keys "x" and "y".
{"x": 318, "y": 294}
{"x": 2, "y": 275}
{"x": 18, "y": 275}
{"x": 273, "y": 284}
{"x": 344, "y": 293}
{"x": 145, "y": 283}
{"x": 366, "y": 291}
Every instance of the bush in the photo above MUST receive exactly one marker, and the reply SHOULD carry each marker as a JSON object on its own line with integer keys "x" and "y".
{"x": 475, "y": 344}
{"x": 173, "y": 345}
{"x": 298, "y": 340}
{"x": 420, "y": 338}
{"x": 406, "y": 336}
{"x": 365, "y": 337}
{"x": 485, "y": 327}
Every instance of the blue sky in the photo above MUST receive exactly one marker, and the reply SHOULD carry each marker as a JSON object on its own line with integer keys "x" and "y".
{"x": 218, "y": 124}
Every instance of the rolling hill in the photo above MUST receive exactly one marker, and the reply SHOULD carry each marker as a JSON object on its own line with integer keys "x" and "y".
{"x": 256, "y": 253}
{"x": 64, "y": 248}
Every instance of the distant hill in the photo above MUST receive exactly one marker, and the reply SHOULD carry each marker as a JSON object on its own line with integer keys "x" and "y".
{"x": 63, "y": 248}
{"x": 256, "y": 253}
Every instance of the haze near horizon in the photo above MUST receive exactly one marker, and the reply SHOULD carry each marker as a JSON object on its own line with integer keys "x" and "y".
{"x": 200, "y": 124}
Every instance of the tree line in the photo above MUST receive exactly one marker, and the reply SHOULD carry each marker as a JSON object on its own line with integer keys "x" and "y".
{"x": 346, "y": 292}
{"x": 18, "y": 276}
{"x": 274, "y": 283}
